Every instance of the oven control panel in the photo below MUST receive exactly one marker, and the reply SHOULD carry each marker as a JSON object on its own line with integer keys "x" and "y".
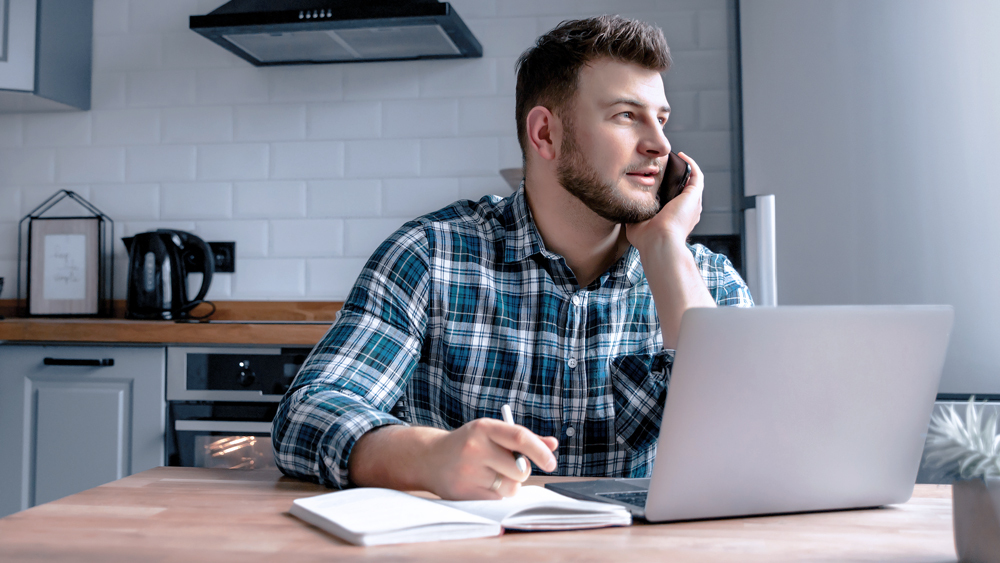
{"x": 250, "y": 374}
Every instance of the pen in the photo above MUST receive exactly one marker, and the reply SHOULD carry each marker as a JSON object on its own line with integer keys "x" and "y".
{"x": 522, "y": 462}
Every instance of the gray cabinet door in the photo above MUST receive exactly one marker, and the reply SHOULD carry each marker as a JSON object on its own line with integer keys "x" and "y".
{"x": 72, "y": 427}
{"x": 45, "y": 55}
{"x": 17, "y": 44}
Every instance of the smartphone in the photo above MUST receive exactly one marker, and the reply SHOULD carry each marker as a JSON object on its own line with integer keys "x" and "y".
{"x": 675, "y": 177}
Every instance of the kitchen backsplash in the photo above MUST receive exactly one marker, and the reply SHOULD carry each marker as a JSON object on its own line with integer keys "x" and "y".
{"x": 309, "y": 168}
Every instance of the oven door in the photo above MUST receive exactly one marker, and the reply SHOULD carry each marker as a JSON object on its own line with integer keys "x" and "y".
{"x": 224, "y": 435}
{"x": 221, "y": 401}
{"x": 226, "y": 444}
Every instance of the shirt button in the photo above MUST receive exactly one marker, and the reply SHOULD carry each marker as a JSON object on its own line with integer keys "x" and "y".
{"x": 570, "y": 432}
{"x": 571, "y": 363}
{"x": 577, "y": 299}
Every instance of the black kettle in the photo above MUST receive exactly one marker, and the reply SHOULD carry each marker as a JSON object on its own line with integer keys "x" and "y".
{"x": 158, "y": 267}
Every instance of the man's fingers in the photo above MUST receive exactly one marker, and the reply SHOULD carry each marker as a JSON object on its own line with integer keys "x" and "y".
{"x": 508, "y": 488}
{"x": 500, "y": 485}
{"x": 479, "y": 459}
{"x": 502, "y": 461}
{"x": 515, "y": 438}
{"x": 695, "y": 181}
{"x": 695, "y": 169}
{"x": 551, "y": 441}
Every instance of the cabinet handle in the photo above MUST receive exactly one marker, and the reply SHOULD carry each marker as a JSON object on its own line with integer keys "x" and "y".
{"x": 78, "y": 362}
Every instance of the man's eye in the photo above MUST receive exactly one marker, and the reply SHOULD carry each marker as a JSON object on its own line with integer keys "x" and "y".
{"x": 626, "y": 114}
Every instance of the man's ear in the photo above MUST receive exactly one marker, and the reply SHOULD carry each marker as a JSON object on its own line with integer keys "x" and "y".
{"x": 544, "y": 132}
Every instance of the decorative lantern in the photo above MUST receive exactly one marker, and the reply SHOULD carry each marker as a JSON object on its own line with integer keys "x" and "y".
{"x": 70, "y": 261}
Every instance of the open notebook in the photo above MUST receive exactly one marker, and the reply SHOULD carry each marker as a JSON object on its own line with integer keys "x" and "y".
{"x": 372, "y": 516}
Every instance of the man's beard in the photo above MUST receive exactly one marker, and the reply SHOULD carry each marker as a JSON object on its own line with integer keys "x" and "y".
{"x": 579, "y": 178}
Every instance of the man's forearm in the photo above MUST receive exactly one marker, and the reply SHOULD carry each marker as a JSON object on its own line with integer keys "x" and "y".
{"x": 474, "y": 461}
{"x": 676, "y": 285}
{"x": 393, "y": 457}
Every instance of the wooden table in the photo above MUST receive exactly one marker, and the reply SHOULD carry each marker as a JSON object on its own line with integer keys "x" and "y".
{"x": 187, "y": 515}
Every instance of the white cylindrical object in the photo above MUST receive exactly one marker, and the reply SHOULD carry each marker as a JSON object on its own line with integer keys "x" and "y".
{"x": 750, "y": 260}
{"x": 761, "y": 268}
{"x": 765, "y": 244}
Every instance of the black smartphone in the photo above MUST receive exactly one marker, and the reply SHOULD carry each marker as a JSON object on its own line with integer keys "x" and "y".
{"x": 675, "y": 177}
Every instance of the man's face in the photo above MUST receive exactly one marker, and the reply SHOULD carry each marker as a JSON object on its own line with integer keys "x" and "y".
{"x": 613, "y": 150}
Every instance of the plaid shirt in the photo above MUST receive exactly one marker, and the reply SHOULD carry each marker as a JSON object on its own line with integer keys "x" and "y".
{"x": 463, "y": 310}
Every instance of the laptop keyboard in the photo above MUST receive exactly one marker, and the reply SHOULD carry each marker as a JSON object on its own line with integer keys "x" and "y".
{"x": 635, "y": 498}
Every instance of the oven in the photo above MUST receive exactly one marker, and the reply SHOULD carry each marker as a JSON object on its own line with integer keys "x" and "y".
{"x": 221, "y": 401}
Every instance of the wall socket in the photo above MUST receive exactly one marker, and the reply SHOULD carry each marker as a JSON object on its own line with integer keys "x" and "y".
{"x": 225, "y": 256}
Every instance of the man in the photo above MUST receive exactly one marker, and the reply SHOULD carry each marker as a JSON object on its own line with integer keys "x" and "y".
{"x": 563, "y": 300}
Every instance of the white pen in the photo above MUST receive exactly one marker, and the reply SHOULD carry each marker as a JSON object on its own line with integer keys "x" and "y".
{"x": 522, "y": 462}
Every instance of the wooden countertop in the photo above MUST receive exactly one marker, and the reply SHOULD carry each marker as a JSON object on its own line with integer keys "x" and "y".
{"x": 267, "y": 322}
{"x": 189, "y": 514}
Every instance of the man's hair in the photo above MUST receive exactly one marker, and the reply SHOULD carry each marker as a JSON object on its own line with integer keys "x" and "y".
{"x": 548, "y": 73}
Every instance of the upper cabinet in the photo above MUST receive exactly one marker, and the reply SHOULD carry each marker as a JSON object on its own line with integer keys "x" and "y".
{"x": 45, "y": 54}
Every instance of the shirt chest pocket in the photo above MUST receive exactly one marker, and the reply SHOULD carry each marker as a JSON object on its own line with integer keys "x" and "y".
{"x": 639, "y": 386}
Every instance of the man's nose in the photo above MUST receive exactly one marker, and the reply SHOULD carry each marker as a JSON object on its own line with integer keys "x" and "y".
{"x": 655, "y": 144}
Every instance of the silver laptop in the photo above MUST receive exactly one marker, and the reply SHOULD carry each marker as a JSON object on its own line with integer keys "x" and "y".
{"x": 789, "y": 409}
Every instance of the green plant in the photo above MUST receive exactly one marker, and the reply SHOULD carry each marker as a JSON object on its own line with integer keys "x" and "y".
{"x": 968, "y": 449}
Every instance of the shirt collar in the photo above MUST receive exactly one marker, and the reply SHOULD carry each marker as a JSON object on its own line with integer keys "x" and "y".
{"x": 626, "y": 272}
{"x": 522, "y": 238}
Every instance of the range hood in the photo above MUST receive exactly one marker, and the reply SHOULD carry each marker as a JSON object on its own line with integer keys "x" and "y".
{"x": 286, "y": 32}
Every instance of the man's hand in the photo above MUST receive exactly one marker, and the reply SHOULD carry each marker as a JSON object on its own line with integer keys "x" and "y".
{"x": 469, "y": 460}
{"x": 677, "y": 218}
{"x": 670, "y": 268}
{"x": 462, "y": 464}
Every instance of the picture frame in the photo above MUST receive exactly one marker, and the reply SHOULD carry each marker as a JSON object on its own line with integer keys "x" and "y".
{"x": 64, "y": 261}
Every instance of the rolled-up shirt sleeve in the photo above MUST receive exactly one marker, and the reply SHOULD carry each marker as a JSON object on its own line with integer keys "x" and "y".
{"x": 356, "y": 374}
{"x": 722, "y": 279}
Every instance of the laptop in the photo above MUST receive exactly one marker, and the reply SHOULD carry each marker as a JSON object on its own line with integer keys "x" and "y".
{"x": 774, "y": 410}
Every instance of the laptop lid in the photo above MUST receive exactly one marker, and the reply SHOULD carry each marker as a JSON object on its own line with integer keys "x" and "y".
{"x": 790, "y": 409}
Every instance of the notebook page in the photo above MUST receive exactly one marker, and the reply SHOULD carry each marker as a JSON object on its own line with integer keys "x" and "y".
{"x": 373, "y": 511}
{"x": 537, "y": 507}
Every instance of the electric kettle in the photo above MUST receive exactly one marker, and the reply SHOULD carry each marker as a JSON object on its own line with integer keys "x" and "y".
{"x": 158, "y": 267}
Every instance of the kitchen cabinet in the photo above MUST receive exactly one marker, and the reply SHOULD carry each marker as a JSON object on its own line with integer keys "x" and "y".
{"x": 45, "y": 54}
{"x": 74, "y": 417}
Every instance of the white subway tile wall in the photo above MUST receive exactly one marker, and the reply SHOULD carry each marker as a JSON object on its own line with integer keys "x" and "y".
{"x": 10, "y": 210}
{"x": 8, "y": 231}
{"x": 11, "y": 130}
{"x": 149, "y": 163}
{"x": 125, "y": 127}
{"x": 309, "y": 168}
{"x": 302, "y": 239}
{"x": 344, "y": 120}
{"x": 416, "y": 196}
{"x": 466, "y": 156}
{"x": 318, "y": 159}
{"x": 270, "y": 200}
{"x": 204, "y": 200}
{"x": 75, "y": 165}
{"x": 391, "y": 158}
{"x": 344, "y": 198}
{"x": 136, "y": 201}
{"x": 57, "y": 129}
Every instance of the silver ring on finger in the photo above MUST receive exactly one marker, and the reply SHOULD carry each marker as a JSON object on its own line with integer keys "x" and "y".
{"x": 497, "y": 481}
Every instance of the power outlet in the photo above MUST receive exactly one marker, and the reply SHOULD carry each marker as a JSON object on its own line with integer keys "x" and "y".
{"x": 225, "y": 256}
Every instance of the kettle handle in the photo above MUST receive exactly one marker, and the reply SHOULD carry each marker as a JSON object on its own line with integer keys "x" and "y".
{"x": 208, "y": 258}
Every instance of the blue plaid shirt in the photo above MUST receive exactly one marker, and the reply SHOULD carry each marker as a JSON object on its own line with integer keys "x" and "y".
{"x": 463, "y": 310}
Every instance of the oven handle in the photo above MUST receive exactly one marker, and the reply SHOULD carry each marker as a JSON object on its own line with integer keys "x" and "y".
{"x": 104, "y": 362}
{"x": 221, "y": 426}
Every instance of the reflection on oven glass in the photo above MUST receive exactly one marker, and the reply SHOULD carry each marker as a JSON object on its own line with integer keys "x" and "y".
{"x": 233, "y": 452}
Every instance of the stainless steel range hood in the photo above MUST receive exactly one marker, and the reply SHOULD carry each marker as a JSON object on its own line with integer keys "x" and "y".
{"x": 285, "y": 32}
